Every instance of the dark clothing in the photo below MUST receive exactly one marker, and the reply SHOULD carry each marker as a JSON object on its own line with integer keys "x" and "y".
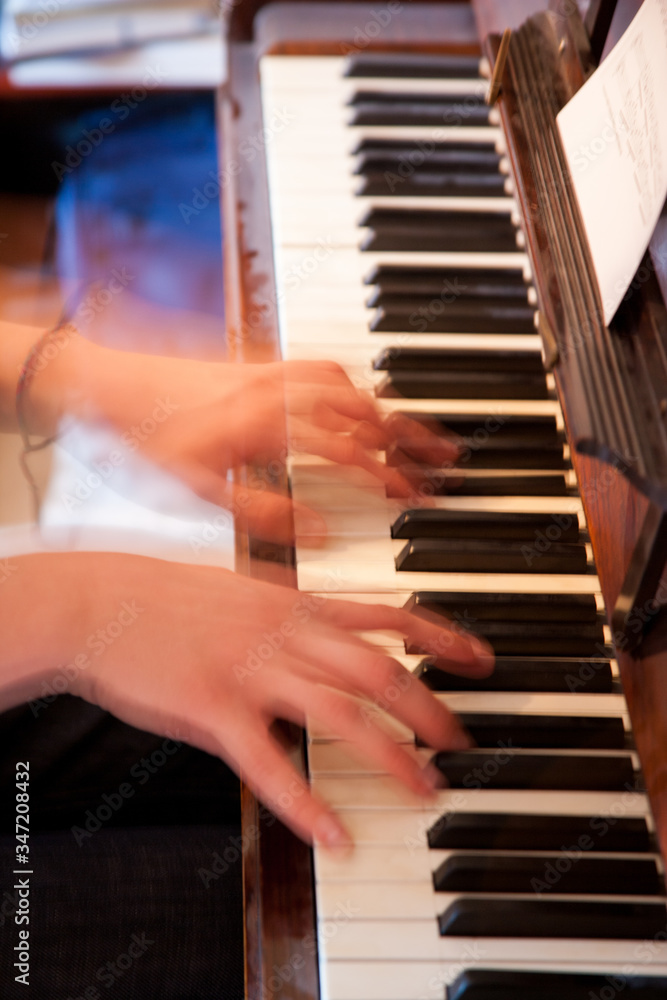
{"x": 129, "y": 895}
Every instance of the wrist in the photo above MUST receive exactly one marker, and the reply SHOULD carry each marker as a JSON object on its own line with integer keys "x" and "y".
{"x": 42, "y": 615}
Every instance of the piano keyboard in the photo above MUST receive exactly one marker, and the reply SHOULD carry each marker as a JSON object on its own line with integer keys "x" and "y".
{"x": 533, "y": 873}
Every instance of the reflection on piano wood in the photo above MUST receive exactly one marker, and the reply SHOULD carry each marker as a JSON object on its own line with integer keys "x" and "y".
{"x": 395, "y": 234}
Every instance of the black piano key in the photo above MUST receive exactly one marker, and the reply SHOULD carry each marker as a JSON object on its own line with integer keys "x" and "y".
{"x": 508, "y": 607}
{"x": 402, "y": 65}
{"x": 486, "y": 524}
{"x": 452, "y": 483}
{"x": 403, "y": 230}
{"x": 526, "y": 673}
{"x": 531, "y": 639}
{"x": 504, "y": 984}
{"x": 385, "y": 154}
{"x": 462, "y": 282}
{"x": 549, "y": 457}
{"x": 535, "y": 638}
{"x": 424, "y": 184}
{"x": 548, "y": 732}
{"x": 498, "y": 430}
{"x": 524, "y": 832}
{"x": 407, "y": 158}
{"x": 418, "y": 110}
{"x": 436, "y": 555}
{"x": 505, "y": 768}
{"x": 461, "y": 316}
{"x": 564, "y": 872}
{"x": 438, "y": 359}
{"x": 462, "y": 385}
{"x": 380, "y": 95}
{"x": 488, "y": 916}
{"x": 523, "y": 458}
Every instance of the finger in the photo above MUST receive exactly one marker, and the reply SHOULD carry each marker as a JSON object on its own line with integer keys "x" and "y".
{"x": 266, "y": 770}
{"x": 266, "y": 515}
{"x": 322, "y": 402}
{"x": 356, "y": 721}
{"x": 464, "y": 652}
{"x": 345, "y": 450}
{"x": 327, "y": 372}
{"x": 273, "y": 517}
{"x": 389, "y": 686}
{"x": 422, "y": 440}
{"x": 369, "y": 433}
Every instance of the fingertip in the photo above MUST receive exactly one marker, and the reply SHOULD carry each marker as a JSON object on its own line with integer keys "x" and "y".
{"x": 310, "y": 527}
{"x": 329, "y": 832}
{"x": 484, "y": 655}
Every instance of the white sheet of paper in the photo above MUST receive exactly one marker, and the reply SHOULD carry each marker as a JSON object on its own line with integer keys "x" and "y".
{"x": 614, "y": 132}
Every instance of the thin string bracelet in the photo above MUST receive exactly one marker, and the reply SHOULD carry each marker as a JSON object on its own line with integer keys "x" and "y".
{"x": 26, "y": 375}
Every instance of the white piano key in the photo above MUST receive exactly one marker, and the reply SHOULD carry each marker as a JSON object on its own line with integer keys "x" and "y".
{"x": 384, "y": 863}
{"x": 372, "y": 866}
{"x": 409, "y": 828}
{"x": 385, "y": 793}
{"x": 412, "y": 940}
{"x": 415, "y": 980}
{"x": 315, "y": 570}
{"x": 320, "y": 140}
{"x": 350, "y": 267}
{"x": 331, "y": 758}
{"x": 357, "y": 359}
{"x": 302, "y": 226}
{"x": 413, "y": 900}
{"x": 343, "y": 499}
{"x": 377, "y": 523}
{"x": 284, "y": 73}
{"x": 391, "y": 826}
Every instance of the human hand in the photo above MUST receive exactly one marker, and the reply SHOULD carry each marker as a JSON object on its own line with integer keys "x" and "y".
{"x": 184, "y": 668}
{"x": 225, "y": 417}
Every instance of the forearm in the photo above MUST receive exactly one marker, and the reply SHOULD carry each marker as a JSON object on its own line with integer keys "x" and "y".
{"x": 69, "y": 374}
{"x": 43, "y": 607}
{"x": 56, "y": 381}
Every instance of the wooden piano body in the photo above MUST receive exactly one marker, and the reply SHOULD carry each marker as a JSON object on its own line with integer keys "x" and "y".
{"x": 281, "y": 958}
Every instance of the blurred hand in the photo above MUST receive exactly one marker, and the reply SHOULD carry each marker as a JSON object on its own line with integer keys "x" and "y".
{"x": 227, "y": 416}
{"x": 188, "y": 665}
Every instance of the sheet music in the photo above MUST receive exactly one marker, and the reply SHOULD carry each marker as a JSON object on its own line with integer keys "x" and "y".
{"x": 614, "y": 132}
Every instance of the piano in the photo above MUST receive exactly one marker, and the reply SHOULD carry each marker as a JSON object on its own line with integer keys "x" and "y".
{"x": 377, "y": 213}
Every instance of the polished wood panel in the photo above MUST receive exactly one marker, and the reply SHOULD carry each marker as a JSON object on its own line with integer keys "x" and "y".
{"x": 615, "y": 509}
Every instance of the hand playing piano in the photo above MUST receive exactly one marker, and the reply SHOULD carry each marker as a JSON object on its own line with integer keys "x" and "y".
{"x": 229, "y": 416}
{"x": 214, "y": 658}
{"x": 224, "y": 416}
{"x": 261, "y": 413}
